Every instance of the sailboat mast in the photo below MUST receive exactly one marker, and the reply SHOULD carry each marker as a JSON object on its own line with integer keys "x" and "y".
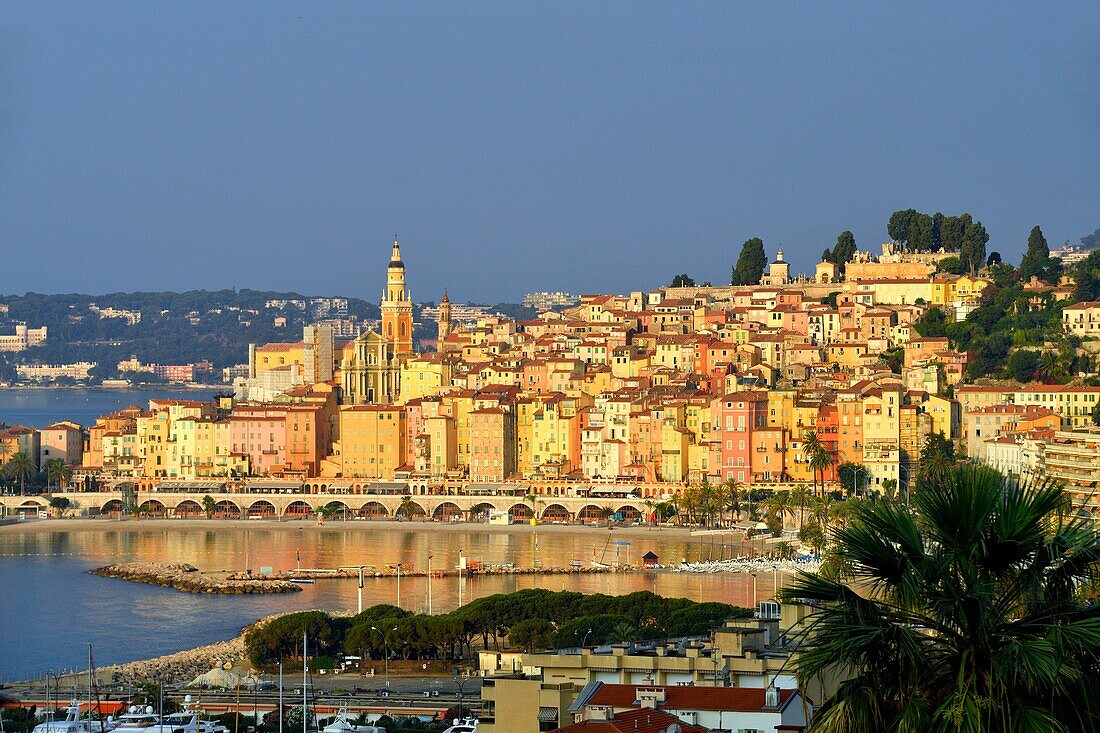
{"x": 305, "y": 684}
{"x": 95, "y": 684}
{"x": 280, "y": 696}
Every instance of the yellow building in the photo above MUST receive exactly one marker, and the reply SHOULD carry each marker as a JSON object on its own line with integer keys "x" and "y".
{"x": 1074, "y": 404}
{"x": 372, "y": 440}
{"x": 427, "y": 375}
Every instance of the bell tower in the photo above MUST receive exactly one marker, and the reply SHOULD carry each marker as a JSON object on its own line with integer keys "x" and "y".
{"x": 396, "y": 305}
{"x": 444, "y": 321}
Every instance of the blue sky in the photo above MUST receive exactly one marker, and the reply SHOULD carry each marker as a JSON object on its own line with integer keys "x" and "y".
{"x": 523, "y": 146}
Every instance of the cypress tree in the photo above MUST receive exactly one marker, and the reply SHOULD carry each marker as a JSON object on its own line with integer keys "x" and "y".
{"x": 750, "y": 264}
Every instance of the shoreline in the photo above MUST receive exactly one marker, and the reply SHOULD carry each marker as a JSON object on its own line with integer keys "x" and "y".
{"x": 168, "y": 387}
{"x": 305, "y": 525}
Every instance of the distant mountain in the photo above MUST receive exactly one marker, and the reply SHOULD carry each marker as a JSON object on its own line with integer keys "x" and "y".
{"x": 168, "y": 327}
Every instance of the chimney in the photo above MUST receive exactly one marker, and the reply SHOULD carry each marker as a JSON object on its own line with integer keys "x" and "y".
{"x": 771, "y": 696}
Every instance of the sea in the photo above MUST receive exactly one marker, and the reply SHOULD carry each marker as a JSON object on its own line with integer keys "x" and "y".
{"x": 51, "y": 608}
{"x": 39, "y": 408}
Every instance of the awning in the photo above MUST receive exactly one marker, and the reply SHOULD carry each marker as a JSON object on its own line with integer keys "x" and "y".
{"x": 191, "y": 486}
{"x": 510, "y": 489}
{"x": 273, "y": 484}
{"x": 388, "y": 487}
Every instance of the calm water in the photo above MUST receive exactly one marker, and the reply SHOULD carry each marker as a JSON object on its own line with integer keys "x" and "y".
{"x": 50, "y": 608}
{"x": 41, "y": 407}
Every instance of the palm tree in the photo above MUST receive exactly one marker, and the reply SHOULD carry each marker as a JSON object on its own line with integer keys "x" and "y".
{"x": 731, "y": 498}
{"x": 802, "y": 495}
{"x": 963, "y": 612}
{"x": 649, "y": 505}
{"x": 58, "y": 473}
{"x": 819, "y": 459}
{"x": 779, "y": 504}
{"x": 622, "y": 632}
{"x": 20, "y": 467}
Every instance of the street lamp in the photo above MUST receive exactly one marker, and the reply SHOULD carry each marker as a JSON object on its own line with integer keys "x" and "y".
{"x": 386, "y": 647}
{"x": 460, "y": 682}
{"x": 584, "y": 640}
{"x": 360, "y": 569}
{"x": 754, "y": 603}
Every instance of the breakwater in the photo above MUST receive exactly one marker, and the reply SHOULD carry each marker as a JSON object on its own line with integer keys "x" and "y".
{"x": 187, "y": 578}
{"x": 315, "y": 574}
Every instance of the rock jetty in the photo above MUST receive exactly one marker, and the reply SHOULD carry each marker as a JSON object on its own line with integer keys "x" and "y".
{"x": 187, "y": 578}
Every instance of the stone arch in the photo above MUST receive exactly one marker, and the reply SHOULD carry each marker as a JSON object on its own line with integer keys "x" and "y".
{"x": 446, "y": 510}
{"x": 188, "y": 508}
{"x": 227, "y": 508}
{"x": 154, "y": 507}
{"x": 113, "y": 506}
{"x": 338, "y": 509}
{"x": 555, "y": 513}
{"x": 590, "y": 513}
{"x": 262, "y": 508}
{"x": 629, "y": 513}
{"x": 297, "y": 509}
{"x": 520, "y": 512}
{"x": 374, "y": 510}
{"x": 30, "y": 507}
{"x": 409, "y": 510}
{"x": 481, "y": 510}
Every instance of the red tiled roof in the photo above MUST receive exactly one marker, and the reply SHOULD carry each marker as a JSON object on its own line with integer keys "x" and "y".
{"x": 633, "y": 721}
{"x": 740, "y": 699}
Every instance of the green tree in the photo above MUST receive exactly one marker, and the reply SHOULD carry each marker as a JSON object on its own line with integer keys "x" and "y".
{"x": 937, "y": 453}
{"x": 994, "y": 258}
{"x": 952, "y": 265}
{"x": 20, "y": 467}
{"x": 1087, "y": 275}
{"x": 1037, "y": 261}
{"x": 682, "y": 281}
{"x": 972, "y": 250}
{"x": 1022, "y": 365}
{"x": 814, "y": 453}
{"x": 60, "y": 504}
{"x": 843, "y": 251}
{"x": 531, "y": 634}
{"x": 900, "y": 224}
{"x": 965, "y": 614}
{"x": 952, "y": 230}
{"x": 750, "y": 264}
{"x": 852, "y": 476}
{"x": 209, "y": 506}
{"x": 58, "y": 473}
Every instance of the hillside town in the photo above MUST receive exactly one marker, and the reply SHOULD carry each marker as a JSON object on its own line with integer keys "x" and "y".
{"x": 826, "y": 379}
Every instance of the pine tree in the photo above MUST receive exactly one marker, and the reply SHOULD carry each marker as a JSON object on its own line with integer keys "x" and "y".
{"x": 750, "y": 264}
{"x": 972, "y": 249}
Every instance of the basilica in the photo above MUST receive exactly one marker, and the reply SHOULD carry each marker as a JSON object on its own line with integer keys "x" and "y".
{"x": 367, "y": 368}
{"x": 370, "y": 370}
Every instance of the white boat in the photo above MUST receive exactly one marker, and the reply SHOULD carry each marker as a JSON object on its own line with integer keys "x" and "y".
{"x": 342, "y": 724}
{"x": 187, "y": 720}
{"x": 136, "y": 718}
{"x": 72, "y": 723}
{"x": 466, "y": 725}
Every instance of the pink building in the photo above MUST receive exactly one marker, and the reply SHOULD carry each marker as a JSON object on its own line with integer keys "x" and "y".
{"x": 259, "y": 433}
{"x": 736, "y": 415}
{"x": 64, "y": 440}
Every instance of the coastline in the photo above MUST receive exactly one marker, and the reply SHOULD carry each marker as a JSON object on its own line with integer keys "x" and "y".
{"x": 167, "y": 387}
{"x": 306, "y": 525}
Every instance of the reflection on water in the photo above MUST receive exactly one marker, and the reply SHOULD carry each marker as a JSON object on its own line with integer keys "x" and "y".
{"x": 51, "y": 608}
